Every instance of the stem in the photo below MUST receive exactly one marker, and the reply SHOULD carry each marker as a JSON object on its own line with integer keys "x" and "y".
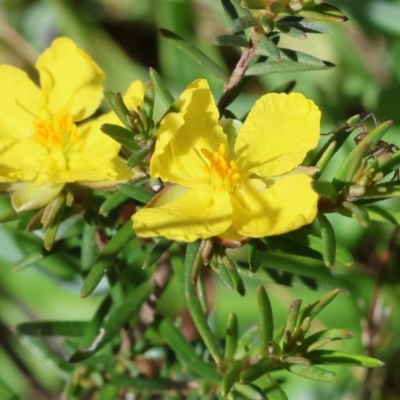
{"x": 193, "y": 257}
{"x": 374, "y": 326}
{"x": 236, "y": 77}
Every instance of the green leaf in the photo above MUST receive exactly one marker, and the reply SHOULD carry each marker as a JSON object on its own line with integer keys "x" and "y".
{"x": 268, "y": 24}
{"x": 192, "y": 258}
{"x": 108, "y": 391}
{"x": 314, "y": 242}
{"x": 185, "y": 351}
{"x": 202, "y": 293}
{"x": 161, "y": 88}
{"x": 293, "y": 313}
{"x": 255, "y": 257}
{"x": 157, "y": 251}
{"x": 14, "y": 216}
{"x": 117, "y": 319}
{"x": 247, "y": 342}
{"x": 106, "y": 258}
{"x": 271, "y": 388}
{"x": 242, "y": 23}
{"x": 89, "y": 248}
{"x": 8, "y": 393}
{"x": 254, "y": 4}
{"x": 231, "y": 40}
{"x": 148, "y": 101}
{"x": 308, "y": 27}
{"x": 325, "y": 157}
{"x": 231, "y": 339}
{"x": 323, "y": 12}
{"x": 31, "y": 258}
{"x": 295, "y": 360}
{"x": 322, "y": 338}
{"x": 229, "y": 9}
{"x": 314, "y": 309}
{"x": 343, "y": 358}
{"x": 328, "y": 240}
{"x": 93, "y": 327}
{"x": 122, "y": 110}
{"x": 339, "y": 136}
{"x": 52, "y": 210}
{"x": 312, "y": 372}
{"x": 223, "y": 274}
{"x": 121, "y": 135}
{"x": 353, "y": 160}
{"x": 291, "y": 30}
{"x": 135, "y": 192}
{"x": 196, "y": 54}
{"x": 266, "y": 319}
{"x": 232, "y": 374}
{"x": 118, "y": 106}
{"x": 112, "y": 202}
{"x": 267, "y": 47}
{"x": 382, "y": 191}
{"x": 52, "y": 328}
{"x": 358, "y": 211}
{"x": 51, "y": 220}
{"x": 144, "y": 383}
{"x": 326, "y": 189}
{"x": 389, "y": 166}
{"x": 137, "y": 157}
{"x": 290, "y": 61}
{"x": 261, "y": 367}
{"x": 375, "y": 213}
{"x": 237, "y": 280}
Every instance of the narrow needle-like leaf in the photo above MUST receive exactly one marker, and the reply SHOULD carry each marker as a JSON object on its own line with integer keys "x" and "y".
{"x": 266, "y": 320}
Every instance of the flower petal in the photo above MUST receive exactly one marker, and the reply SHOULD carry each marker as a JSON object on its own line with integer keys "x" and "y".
{"x": 29, "y": 197}
{"x": 90, "y": 158}
{"x": 124, "y": 175}
{"x": 287, "y": 205}
{"x": 19, "y": 103}
{"x": 70, "y": 79}
{"x": 198, "y": 213}
{"x": 182, "y": 136}
{"x": 277, "y": 134}
{"x": 133, "y": 98}
{"x": 20, "y": 160}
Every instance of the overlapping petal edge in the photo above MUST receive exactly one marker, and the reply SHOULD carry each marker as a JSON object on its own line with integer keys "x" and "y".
{"x": 266, "y": 200}
{"x": 71, "y": 84}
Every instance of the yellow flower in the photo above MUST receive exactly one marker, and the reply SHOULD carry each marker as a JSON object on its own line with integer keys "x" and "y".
{"x": 42, "y": 146}
{"x": 232, "y": 187}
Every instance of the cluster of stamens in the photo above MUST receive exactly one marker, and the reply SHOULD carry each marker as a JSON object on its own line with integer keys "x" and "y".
{"x": 60, "y": 131}
{"x": 224, "y": 173}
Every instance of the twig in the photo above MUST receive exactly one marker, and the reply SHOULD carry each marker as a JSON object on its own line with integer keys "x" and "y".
{"x": 17, "y": 42}
{"x": 236, "y": 76}
{"x": 373, "y": 325}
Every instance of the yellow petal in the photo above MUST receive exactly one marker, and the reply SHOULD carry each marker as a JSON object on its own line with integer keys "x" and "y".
{"x": 19, "y": 103}
{"x": 90, "y": 158}
{"x": 198, "y": 213}
{"x": 182, "y": 136}
{"x": 124, "y": 175}
{"x": 20, "y": 160}
{"x": 287, "y": 205}
{"x": 133, "y": 98}
{"x": 70, "y": 79}
{"x": 277, "y": 134}
{"x": 28, "y": 197}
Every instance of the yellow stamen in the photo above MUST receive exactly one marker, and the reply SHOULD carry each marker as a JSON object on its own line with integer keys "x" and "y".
{"x": 224, "y": 173}
{"x": 60, "y": 131}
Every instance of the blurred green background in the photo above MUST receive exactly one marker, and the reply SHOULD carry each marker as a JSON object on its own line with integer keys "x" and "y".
{"x": 122, "y": 36}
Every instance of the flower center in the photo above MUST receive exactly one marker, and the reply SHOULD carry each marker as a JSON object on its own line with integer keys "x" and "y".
{"x": 58, "y": 132}
{"x": 224, "y": 173}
